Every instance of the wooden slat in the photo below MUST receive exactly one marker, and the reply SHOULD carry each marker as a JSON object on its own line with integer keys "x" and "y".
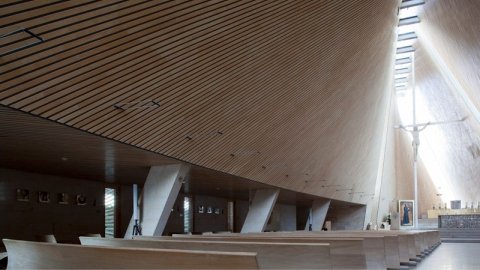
{"x": 263, "y": 88}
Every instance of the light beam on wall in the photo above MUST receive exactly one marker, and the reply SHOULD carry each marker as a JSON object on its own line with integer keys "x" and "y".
{"x": 431, "y": 140}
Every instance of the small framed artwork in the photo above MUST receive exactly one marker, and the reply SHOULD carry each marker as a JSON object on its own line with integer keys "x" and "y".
{"x": 217, "y": 211}
{"x": 62, "y": 198}
{"x": 201, "y": 209}
{"x": 23, "y": 195}
{"x": 209, "y": 210}
{"x": 457, "y": 204}
{"x": 407, "y": 212}
{"x": 44, "y": 197}
{"x": 81, "y": 199}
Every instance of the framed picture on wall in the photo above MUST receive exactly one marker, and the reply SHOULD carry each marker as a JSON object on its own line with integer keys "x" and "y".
{"x": 201, "y": 209}
{"x": 81, "y": 199}
{"x": 44, "y": 197}
{"x": 407, "y": 212}
{"x": 209, "y": 210}
{"x": 63, "y": 198}
{"x": 23, "y": 195}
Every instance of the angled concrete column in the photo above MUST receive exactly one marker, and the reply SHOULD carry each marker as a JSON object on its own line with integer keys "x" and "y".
{"x": 158, "y": 197}
{"x": 319, "y": 213}
{"x": 260, "y": 209}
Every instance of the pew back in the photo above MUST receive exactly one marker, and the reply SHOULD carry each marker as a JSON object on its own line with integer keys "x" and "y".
{"x": 34, "y": 255}
{"x": 345, "y": 253}
{"x": 269, "y": 255}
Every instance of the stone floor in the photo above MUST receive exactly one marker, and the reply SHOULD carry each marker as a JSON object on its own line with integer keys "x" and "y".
{"x": 455, "y": 256}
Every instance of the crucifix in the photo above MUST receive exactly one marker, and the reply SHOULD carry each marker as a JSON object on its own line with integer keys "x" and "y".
{"x": 415, "y": 129}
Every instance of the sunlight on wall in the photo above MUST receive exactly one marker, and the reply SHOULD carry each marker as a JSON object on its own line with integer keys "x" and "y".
{"x": 433, "y": 156}
{"x": 446, "y": 72}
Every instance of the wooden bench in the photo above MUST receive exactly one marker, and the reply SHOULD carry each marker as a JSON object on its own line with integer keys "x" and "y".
{"x": 381, "y": 251}
{"x": 411, "y": 246}
{"x": 404, "y": 250}
{"x": 269, "y": 255}
{"x": 35, "y": 255}
{"x": 345, "y": 253}
{"x": 404, "y": 247}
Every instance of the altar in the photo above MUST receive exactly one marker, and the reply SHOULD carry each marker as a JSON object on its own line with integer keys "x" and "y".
{"x": 459, "y": 221}
{"x": 434, "y": 213}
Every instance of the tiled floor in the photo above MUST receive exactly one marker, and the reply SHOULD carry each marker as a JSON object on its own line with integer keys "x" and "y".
{"x": 455, "y": 256}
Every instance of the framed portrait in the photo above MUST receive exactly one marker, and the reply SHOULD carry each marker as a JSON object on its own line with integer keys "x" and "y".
{"x": 23, "y": 195}
{"x": 209, "y": 210}
{"x": 407, "y": 212}
{"x": 44, "y": 197}
{"x": 62, "y": 198}
{"x": 201, "y": 209}
{"x": 81, "y": 199}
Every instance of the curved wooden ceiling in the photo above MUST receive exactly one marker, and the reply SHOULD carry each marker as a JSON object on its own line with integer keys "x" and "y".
{"x": 289, "y": 93}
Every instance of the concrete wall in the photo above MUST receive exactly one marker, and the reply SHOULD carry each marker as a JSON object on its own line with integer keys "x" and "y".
{"x": 175, "y": 223}
{"x": 125, "y": 199}
{"x": 302, "y": 214}
{"x": 288, "y": 217}
{"x": 26, "y": 219}
{"x": 240, "y": 214}
{"x": 346, "y": 218}
{"x": 388, "y": 190}
{"x": 209, "y": 222}
{"x": 283, "y": 218}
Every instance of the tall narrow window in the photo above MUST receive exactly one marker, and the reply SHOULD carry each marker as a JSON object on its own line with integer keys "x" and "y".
{"x": 109, "y": 212}
{"x": 187, "y": 214}
{"x": 231, "y": 214}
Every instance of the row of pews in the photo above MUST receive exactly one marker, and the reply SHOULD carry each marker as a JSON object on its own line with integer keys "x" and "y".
{"x": 276, "y": 250}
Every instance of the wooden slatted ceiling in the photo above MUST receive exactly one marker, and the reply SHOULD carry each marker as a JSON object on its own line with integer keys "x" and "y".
{"x": 289, "y": 93}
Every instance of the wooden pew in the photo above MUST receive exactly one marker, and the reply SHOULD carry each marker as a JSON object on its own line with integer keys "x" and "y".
{"x": 417, "y": 244}
{"x": 345, "y": 253}
{"x": 381, "y": 251}
{"x": 407, "y": 248}
{"x": 35, "y": 255}
{"x": 413, "y": 245}
{"x": 405, "y": 251}
{"x": 378, "y": 246}
{"x": 397, "y": 251}
{"x": 374, "y": 246}
{"x": 269, "y": 255}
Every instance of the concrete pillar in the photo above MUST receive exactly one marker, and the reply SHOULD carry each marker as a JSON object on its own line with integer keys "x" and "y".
{"x": 158, "y": 197}
{"x": 319, "y": 213}
{"x": 260, "y": 209}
